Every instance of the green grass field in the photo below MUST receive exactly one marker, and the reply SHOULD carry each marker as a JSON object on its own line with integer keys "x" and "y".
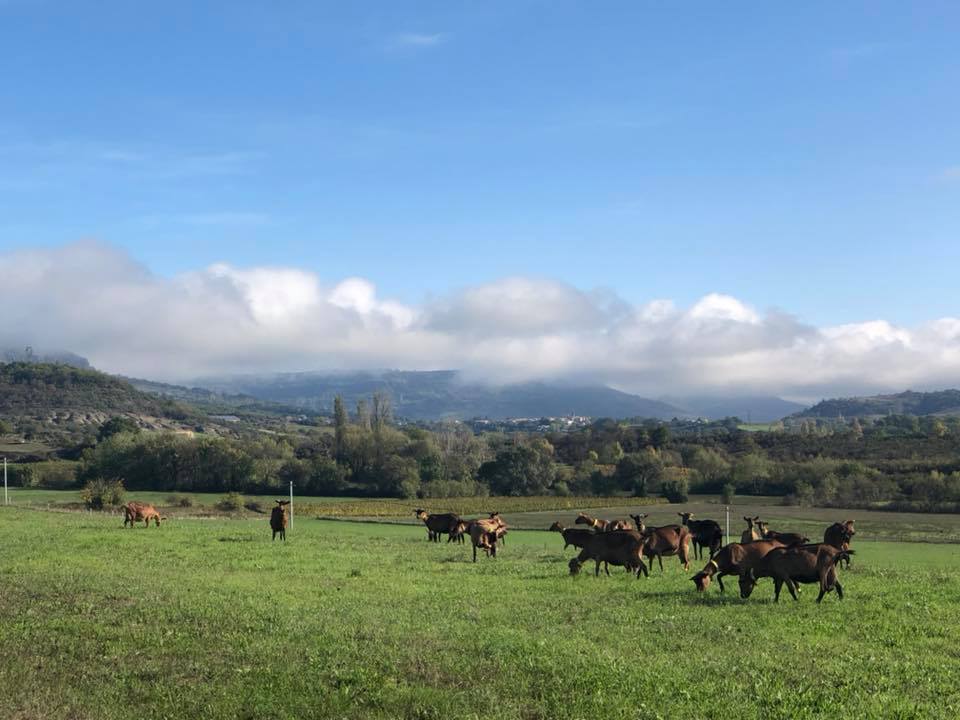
{"x": 208, "y": 618}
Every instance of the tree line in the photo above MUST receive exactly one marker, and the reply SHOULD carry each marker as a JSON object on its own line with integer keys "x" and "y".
{"x": 907, "y": 462}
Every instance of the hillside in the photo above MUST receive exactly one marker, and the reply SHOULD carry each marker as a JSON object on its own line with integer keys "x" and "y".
{"x": 943, "y": 402}
{"x": 46, "y": 390}
{"x": 749, "y": 408}
{"x": 441, "y": 394}
{"x": 211, "y": 401}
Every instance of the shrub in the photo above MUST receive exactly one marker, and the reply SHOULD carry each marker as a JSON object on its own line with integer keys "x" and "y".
{"x": 254, "y": 506}
{"x": 729, "y": 490}
{"x": 184, "y": 501}
{"x": 99, "y": 492}
{"x": 233, "y": 502}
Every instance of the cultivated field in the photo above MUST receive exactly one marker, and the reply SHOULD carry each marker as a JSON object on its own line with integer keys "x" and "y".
{"x": 208, "y": 618}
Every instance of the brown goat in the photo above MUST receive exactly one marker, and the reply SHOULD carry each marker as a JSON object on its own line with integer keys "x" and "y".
{"x": 619, "y": 547}
{"x": 660, "y": 542}
{"x": 751, "y": 533}
{"x": 618, "y": 525}
{"x": 785, "y": 538}
{"x": 135, "y": 511}
{"x": 839, "y": 535}
{"x": 438, "y": 524}
{"x": 733, "y": 559}
{"x": 639, "y": 521}
{"x": 578, "y": 537}
{"x": 797, "y": 564}
{"x": 279, "y": 519}
{"x": 595, "y": 523}
{"x": 483, "y": 534}
{"x": 501, "y": 527}
{"x": 704, "y": 533}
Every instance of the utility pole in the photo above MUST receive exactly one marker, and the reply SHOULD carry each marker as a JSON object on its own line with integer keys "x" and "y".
{"x": 727, "y": 508}
{"x": 291, "y": 503}
{"x": 6, "y": 500}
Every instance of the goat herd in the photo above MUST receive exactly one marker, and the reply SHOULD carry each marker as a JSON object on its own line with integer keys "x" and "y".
{"x": 788, "y": 558}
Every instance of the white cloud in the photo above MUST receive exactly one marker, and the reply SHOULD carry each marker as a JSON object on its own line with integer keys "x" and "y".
{"x": 93, "y": 299}
{"x": 419, "y": 39}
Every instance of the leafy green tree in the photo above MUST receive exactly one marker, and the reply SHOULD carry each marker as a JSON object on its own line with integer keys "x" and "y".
{"x": 518, "y": 470}
{"x": 639, "y": 472}
{"x": 116, "y": 425}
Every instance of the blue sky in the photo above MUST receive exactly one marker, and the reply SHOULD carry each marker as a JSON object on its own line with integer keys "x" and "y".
{"x": 797, "y": 156}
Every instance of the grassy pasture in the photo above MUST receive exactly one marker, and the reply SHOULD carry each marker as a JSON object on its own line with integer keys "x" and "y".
{"x": 537, "y": 513}
{"x": 360, "y": 620}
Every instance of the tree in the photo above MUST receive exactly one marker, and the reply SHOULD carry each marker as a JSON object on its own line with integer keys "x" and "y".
{"x": 116, "y": 425}
{"x": 659, "y": 436}
{"x": 363, "y": 414}
{"x": 638, "y": 472}
{"x": 382, "y": 411}
{"x": 340, "y": 422}
{"x": 518, "y": 470}
{"x": 611, "y": 453}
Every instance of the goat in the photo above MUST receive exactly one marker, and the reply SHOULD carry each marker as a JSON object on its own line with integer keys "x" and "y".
{"x": 501, "y": 527}
{"x": 438, "y": 524}
{"x": 595, "y": 523}
{"x": 839, "y": 535}
{"x": 733, "y": 559}
{"x": 618, "y": 525}
{"x": 785, "y": 538}
{"x": 797, "y": 564}
{"x": 751, "y": 533}
{"x": 620, "y": 547}
{"x": 483, "y": 534}
{"x": 639, "y": 521}
{"x": 278, "y": 520}
{"x": 578, "y": 537}
{"x": 705, "y": 534}
{"x": 135, "y": 511}
{"x": 666, "y": 541}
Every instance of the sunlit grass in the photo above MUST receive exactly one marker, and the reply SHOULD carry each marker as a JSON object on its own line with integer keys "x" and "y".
{"x": 211, "y": 619}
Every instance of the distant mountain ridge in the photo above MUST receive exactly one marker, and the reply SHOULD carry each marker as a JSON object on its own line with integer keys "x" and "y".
{"x": 749, "y": 408}
{"x": 433, "y": 395}
{"x": 941, "y": 402}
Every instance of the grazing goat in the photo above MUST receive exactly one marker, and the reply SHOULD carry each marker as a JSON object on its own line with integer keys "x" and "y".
{"x": 639, "y": 521}
{"x": 785, "y": 538}
{"x": 751, "y": 533}
{"x": 595, "y": 523}
{"x": 278, "y": 520}
{"x": 438, "y": 524}
{"x": 135, "y": 511}
{"x": 501, "y": 527}
{"x": 704, "y": 533}
{"x": 733, "y": 559}
{"x": 660, "y": 542}
{"x": 620, "y": 547}
{"x": 483, "y": 534}
{"x": 578, "y": 537}
{"x": 839, "y": 535}
{"x": 797, "y": 564}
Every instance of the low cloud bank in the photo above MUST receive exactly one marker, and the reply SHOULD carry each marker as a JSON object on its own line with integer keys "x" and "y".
{"x": 95, "y": 300}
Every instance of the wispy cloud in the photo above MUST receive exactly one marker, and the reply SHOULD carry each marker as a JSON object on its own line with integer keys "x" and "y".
{"x": 418, "y": 40}
{"x": 949, "y": 174}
